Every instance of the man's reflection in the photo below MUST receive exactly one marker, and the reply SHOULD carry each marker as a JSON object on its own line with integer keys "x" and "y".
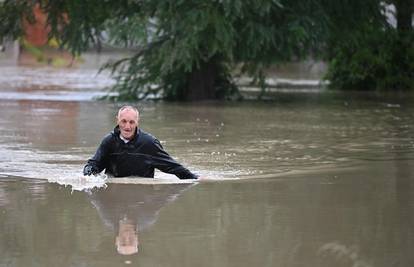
{"x": 129, "y": 209}
{"x": 126, "y": 241}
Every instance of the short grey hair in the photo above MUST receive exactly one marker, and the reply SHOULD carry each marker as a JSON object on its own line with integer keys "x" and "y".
{"x": 130, "y": 108}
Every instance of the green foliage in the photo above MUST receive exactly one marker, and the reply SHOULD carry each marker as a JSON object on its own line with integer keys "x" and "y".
{"x": 365, "y": 52}
{"x": 10, "y": 17}
{"x": 187, "y": 35}
{"x": 176, "y": 40}
{"x": 182, "y": 48}
{"x": 77, "y": 23}
{"x": 380, "y": 59}
{"x": 123, "y": 32}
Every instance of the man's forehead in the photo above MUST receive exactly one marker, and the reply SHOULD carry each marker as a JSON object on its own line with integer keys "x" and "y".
{"x": 128, "y": 114}
{"x": 128, "y": 111}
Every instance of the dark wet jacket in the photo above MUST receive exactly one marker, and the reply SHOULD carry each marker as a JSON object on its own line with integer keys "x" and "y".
{"x": 139, "y": 157}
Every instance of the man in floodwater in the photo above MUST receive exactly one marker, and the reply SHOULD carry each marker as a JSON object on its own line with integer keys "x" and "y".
{"x": 129, "y": 151}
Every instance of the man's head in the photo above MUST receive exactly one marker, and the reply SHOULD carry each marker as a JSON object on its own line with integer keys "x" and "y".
{"x": 128, "y": 120}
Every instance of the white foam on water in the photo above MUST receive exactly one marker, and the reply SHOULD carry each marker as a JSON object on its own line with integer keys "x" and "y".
{"x": 78, "y": 182}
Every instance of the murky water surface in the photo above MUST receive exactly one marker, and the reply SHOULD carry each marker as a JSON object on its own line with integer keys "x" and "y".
{"x": 318, "y": 179}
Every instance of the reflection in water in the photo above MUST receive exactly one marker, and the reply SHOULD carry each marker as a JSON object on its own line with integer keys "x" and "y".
{"x": 342, "y": 253}
{"x": 126, "y": 241}
{"x": 130, "y": 209}
{"x": 356, "y": 219}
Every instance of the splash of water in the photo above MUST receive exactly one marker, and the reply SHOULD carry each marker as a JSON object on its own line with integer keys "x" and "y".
{"x": 80, "y": 182}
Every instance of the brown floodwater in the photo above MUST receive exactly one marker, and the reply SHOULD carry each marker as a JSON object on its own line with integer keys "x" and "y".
{"x": 309, "y": 179}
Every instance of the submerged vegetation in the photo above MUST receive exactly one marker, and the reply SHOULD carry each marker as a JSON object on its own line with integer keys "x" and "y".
{"x": 193, "y": 50}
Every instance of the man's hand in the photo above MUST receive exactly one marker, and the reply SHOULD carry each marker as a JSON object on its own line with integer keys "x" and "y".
{"x": 89, "y": 170}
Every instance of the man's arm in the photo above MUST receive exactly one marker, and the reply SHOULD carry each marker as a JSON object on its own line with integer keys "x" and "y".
{"x": 97, "y": 163}
{"x": 165, "y": 163}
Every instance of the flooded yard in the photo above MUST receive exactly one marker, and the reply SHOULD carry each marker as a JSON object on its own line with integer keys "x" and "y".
{"x": 309, "y": 179}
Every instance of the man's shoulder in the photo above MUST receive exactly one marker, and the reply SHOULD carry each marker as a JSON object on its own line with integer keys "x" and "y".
{"x": 146, "y": 136}
{"x": 109, "y": 138}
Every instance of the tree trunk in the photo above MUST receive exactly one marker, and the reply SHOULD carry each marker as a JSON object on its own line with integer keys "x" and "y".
{"x": 202, "y": 82}
{"x": 404, "y": 10}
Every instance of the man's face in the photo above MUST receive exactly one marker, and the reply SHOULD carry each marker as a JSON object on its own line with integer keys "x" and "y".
{"x": 128, "y": 123}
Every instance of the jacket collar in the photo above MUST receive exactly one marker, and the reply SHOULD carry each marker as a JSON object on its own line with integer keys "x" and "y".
{"x": 117, "y": 133}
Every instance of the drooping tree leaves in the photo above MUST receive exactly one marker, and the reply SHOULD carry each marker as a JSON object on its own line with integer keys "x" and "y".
{"x": 192, "y": 49}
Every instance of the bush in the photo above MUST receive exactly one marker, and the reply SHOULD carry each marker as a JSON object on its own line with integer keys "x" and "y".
{"x": 382, "y": 60}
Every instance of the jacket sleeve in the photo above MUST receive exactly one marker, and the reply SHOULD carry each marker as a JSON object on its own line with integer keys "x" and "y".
{"x": 165, "y": 163}
{"x": 100, "y": 159}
